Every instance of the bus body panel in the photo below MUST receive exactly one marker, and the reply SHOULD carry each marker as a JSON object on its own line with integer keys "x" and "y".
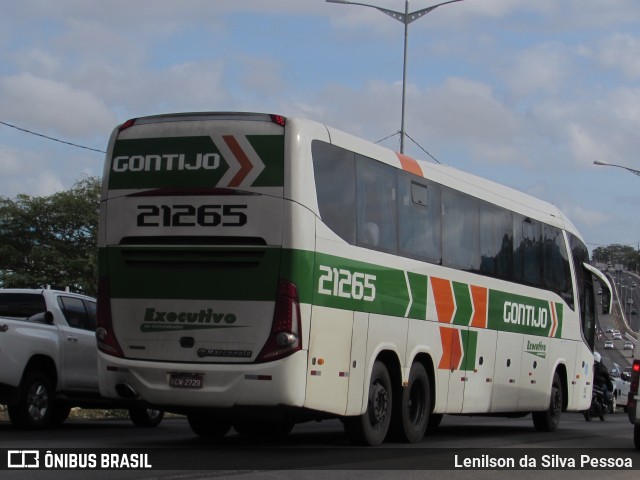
{"x": 224, "y": 385}
{"x": 329, "y": 359}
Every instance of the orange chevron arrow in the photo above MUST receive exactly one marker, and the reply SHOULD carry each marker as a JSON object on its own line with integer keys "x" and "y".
{"x": 451, "y": 348}
{"x": 243, "y": 160}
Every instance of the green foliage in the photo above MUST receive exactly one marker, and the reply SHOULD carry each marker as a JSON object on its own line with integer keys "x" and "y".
{"x": 625, "y": 255}
{"x": 51, "y": 240}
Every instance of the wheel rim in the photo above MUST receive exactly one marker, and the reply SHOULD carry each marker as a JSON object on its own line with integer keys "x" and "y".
{"x": 37, "y": 402}
{"x": 556, "y": 405}
{"x": 154, "y": 414}
{"x": 379, "y": 404}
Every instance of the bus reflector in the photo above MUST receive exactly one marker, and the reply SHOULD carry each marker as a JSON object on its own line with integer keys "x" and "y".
{"x": 284, "y": 338}
{"x": 105, "y": 336}
{"x": 127, "y": 124}
{"x": 279, "y": 119}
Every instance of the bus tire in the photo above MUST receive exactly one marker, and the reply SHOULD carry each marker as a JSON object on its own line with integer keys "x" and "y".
{"x": 263, "y": 428}
{"x": 434, "y": 421}
{"x": 549, "y": 419}
{"x": 35, "y": 406}
{"x": 372, "y": 426}
{"x": 209, "y": 425}
{"x": 146, "y": 417}
{"x": 411, "y": 412}
{"x": 636, "y": 436}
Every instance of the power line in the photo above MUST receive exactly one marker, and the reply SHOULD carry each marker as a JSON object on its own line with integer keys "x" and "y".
{"x": 51, "y": 138}
{"x": 407, "y": 135}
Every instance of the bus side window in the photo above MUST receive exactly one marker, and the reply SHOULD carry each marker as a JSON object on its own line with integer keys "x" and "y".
{"x": 334, "y": 171}
{"x": 460, "y": 231}
{"x": 376, "y": 205}
{"x": 419, "y": 219}
{"x": 527, "y": 251}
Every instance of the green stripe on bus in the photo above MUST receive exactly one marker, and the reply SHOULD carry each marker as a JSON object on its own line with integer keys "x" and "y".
{"x": 464, "y": 308}
{"x": 221, "y": 273}
{"x": 517, "y": 313}
{"x": 419, "y": 285}
{"x": 470, "y": 347}
{"x": 252, "y": 274}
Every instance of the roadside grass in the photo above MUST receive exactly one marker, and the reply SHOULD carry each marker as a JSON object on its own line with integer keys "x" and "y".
{"x": 81, "y": 414}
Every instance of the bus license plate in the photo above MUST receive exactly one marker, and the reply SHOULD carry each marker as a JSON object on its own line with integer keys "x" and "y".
{"x": 186, "y": 380}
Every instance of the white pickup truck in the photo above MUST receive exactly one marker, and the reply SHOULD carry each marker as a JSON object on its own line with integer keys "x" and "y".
{"x": 48, "y": 359}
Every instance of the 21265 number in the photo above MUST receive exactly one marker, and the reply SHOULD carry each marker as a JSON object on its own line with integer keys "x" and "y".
{"x": 346, "y": 284}
{"x": 191, "y": 216}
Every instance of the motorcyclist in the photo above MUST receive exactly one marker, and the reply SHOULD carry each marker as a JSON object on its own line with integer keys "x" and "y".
{"x": 601, "y": 378}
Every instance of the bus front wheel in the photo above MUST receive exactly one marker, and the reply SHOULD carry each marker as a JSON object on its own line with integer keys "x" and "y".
{"x": 372, "y": 427}
{"x": 549, "y": 419}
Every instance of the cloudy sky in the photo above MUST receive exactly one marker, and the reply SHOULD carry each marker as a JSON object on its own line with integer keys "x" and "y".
{"x": 527, "y": 93}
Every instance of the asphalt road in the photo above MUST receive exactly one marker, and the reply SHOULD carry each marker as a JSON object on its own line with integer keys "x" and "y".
{"x": 321, "y": 450}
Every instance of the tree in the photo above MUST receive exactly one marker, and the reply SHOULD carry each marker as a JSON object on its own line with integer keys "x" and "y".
{"x": 617, "y": 254}
{"x": 51, "y": 240}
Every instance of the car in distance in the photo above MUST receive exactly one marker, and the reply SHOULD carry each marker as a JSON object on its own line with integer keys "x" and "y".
{"x": 609, "y": 329}
{"x": 608, "y": 345}
{"x": 617, "y": 336}
{"x": 633, "y": 411}
{"x": 628, "y": 345}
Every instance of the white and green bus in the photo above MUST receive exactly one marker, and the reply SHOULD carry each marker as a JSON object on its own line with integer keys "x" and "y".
{"x": 257, "y": 271}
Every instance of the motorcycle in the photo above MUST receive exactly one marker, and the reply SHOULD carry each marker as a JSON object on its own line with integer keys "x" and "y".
{"x": 599, "y": 405}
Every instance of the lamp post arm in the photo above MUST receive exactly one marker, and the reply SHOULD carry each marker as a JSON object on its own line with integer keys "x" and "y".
{"x": 635, "y": 172}
{"x": 413, "y": 16}
{"x": 605, "y": 164}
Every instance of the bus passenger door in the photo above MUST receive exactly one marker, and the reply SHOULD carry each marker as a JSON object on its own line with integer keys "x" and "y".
{"x": 356, "y": 399}
{"x": 453, "y": 344}
{"x": 533, "y": 393}
{"x": 506, "y": 381}
{"x": 329, "y": 359}
{"x": 478, "y": 368}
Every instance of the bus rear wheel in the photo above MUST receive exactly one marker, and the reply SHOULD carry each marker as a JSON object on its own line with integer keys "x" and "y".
{"x": 549, "y": 419}
{"x": 372, "y": 426}
{"x": 411, "y": 413}
{"x": 262, "y": 427}
{"x": 209, "y": 425}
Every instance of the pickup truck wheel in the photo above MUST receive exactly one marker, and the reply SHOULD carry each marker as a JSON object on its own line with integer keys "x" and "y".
{"x": 35, "y": 407}
{"x": 146, "y": 417}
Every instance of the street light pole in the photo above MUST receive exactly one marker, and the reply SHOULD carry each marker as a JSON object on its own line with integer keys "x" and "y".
{"x": 406, "y": 18}
{"x": 632, "y": 170}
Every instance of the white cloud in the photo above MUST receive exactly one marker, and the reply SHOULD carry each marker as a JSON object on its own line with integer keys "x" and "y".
{"x": 52, "y": 106}
{"x": 24, "y": 171}
{"x": 541, "y": 68}
{"x": 620, "y": 51}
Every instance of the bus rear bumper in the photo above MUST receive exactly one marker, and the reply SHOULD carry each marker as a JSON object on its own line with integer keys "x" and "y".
{"x": 282, "y": 382}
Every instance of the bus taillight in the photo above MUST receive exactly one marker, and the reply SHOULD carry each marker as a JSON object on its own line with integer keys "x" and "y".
{"x": 635, "y": 376}
{"x": 105, "y": 336}
{"x": 284, "y": 338}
